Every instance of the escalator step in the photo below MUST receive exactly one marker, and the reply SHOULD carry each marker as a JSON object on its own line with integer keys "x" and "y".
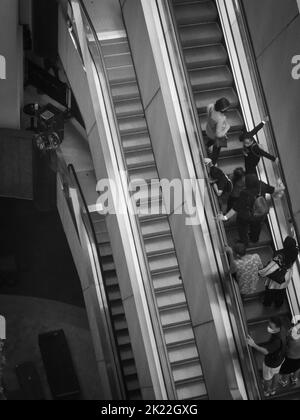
{"x": 203, "y": 99}
{"x": 255, "y": 311}
{"x": 206, "y": 56}
{"x": 162, "y": 263}
{"x": 170, "y": 299}
{"x": 159, "y": 244}
{"x": 129, "y": 107}
{"x": 115, "y": 47}
{"x": 211, "y": 78}
{"x": 189, "y": 350}
{"x": 118, "y": 60}
{"x": 187, "y": 372}
{"x": 190, "y": 13}
{"x": 229, "y": 164}
{"x": 179, "y": 335}
{"x": 155, "y": 227}
{"x": 132, "y": 125}
{"x": 202, "y": 34}
{"x": 166, "y": 280}
{"x": 122, "y": 91}
{"x": 193, "y": 390}
{"x": 123, "y": 74}
{"x": 175, "y": 316}
{"x": 136, "y": 141}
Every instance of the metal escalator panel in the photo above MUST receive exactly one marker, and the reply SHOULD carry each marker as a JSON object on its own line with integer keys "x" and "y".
{"x": 116, "y": 310}
{"x": 210, "y": 77}
{"x": 167, "y": 285}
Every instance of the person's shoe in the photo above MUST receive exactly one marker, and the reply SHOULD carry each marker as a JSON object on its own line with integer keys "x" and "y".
{"x": 273, "y": 393}
{"x": 294, "y": 380}
{"x": 267, "y": 394}
{"x": 282, "y": 383}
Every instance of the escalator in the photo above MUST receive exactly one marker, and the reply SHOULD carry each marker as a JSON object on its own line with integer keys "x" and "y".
{"x": 211, "y": 77}
{"x": 158, "y": 243}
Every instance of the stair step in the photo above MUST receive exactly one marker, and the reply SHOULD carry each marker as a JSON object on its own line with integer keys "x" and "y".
{"x": 179, "y": 334}
{"x": 132, "y": 125}
{"x": 130, "y": 370}
{"x": 120, "y": 324}
{"x": 129, "y": 107}
{"x": 136, "y": 141}
{"x": 188, "y": 14}
{"x": 111, "y": 280}
{"x": 203, "y": 99}
{"x": 105, "y": 250}
{"x": 125, "y": 91}
{"x": 123, "y": 338}
{"x": 126, "y": 354}
{"x": 159, "y": 244}
{"x": 193, "y": 390}
{"x": 102, "y": 237}
{"x": 140, "y": 158}
{"x": 177, "y": 316}
{"x": 167, "y": 280}
{"x": 171, "y": 298}
{"x": 108, "y": 263}
{"x": 229, "y": 164}
{"x": 182, "y": 353}
{"x": 256, "y": 311}
{"x": 162, "y": 263}
{"x": 132, "y": 384}
{"x": 150, "y": 208}
{"x": 211, "y": 78}
{"x": 187, "y": 371}
{"x": 146, "y": 174}
{"x": 205, "y": 56}
{"x": 115, "y": 296}
{"x": 155, "y": 227}
{"x": 118, "y": 60}
{"x": 117, "y": 309}
{"x": 124, "y": 74}
{"x": 200, "y": 34}
{"x": 264, "y": 239}
{"x": 116, "y": 47}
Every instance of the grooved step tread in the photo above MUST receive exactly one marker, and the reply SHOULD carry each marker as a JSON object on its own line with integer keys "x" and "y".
{"x": 187, "y": 14}
{"x": 211, "y": 78}
{"x": 200, "y": 34}
{"x": 205, "y": 56}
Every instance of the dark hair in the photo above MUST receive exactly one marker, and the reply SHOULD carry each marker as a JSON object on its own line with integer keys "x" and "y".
{"x": 276, "y": 321}
{"x": 238, "y": 174}
{"x": 290, "y": 251}
{"x": 240, "y": 249}
{"x": 252, "y": 182}
{"x": 244, "y": 136}
{"x": 222, "y": 104}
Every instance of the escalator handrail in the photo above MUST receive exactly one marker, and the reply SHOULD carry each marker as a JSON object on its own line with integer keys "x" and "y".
{"x": 70, "y": 179}
{"x": 134, "y": 222}
{"x": 220, "y": 230}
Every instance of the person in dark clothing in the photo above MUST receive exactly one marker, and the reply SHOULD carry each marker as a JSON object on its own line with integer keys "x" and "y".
{"x": 285, "y": 258}
{"x": 252, "y": 152}
{"x": 274, "y": 352}
{"x": 249, "y": 225}
{"x": 239, "y": 184}
{"x": 221, "y": 183}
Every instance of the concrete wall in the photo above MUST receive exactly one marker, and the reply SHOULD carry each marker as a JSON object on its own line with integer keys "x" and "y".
{"x": 11, "y": 54}
{"x": 195, "y": 274}
{"x": 275, "y": 31}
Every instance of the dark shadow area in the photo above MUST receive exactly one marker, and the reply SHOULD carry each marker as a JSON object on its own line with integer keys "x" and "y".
{"x": 35, "y": 259}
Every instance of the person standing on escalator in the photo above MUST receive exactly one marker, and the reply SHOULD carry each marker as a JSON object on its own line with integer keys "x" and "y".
{"x": 252, "y": 151}
{"x": 278, "y": 273}
{"x": 217, "y": 127}
{"x": 274, "y": 352}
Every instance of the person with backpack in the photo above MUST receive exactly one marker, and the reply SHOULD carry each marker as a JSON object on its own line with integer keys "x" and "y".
{"x": 291, "y": 367}
{"x": 274, "y": 352}
{"x": 278, "y": 273}
{"x": 252, "y": 151}
{"x": 217, "y": 127}
{"x": 251, "y": 209}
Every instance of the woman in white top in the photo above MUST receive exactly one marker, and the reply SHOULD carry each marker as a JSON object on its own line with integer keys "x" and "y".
{"x": 217, "y": 127}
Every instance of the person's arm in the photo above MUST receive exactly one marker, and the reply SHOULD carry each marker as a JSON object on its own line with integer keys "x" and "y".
{"x": 217, "y": 191}
{"x": 222, "y": 128}
{"x": 261, "y": 152}
{"x": 257, "y": 129}
{"x": 232, "y": 263}
{"x": 269, "y": 269}
{"x": 228, "y": 216}
{"x": 261, "y": 350}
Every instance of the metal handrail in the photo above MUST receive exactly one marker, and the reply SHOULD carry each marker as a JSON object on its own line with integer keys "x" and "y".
{"x": 112, "y": 355}
{"x": 98, "y": 60}
{"x": 231, "y": 295}
{"x": 98, "y": 262}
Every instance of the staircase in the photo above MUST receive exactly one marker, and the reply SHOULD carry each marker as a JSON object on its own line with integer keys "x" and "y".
{"x": 117, "y": 313}
{"x": 157, "y": 239}
{"x": 211, "y": 78}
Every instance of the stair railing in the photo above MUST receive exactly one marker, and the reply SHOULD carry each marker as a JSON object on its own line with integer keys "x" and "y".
{"x": 87, "y": 236}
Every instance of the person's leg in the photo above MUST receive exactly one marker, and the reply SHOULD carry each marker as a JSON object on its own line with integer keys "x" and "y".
{"x": 267, "y": 380}
{"x": 284, "y": 380}
{"x": 295, "y": 378}
{"x": 279, "y": 296}
{"x": 255, "y": 231}
{"x": 274, "y": 385}
{"x": 268, "y": 298}
{"x": 243, "y": 230}
{"x": 216, "y": 154}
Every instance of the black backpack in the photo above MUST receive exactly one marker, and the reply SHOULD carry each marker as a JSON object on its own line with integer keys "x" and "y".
{"x": 279, "y": 275}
